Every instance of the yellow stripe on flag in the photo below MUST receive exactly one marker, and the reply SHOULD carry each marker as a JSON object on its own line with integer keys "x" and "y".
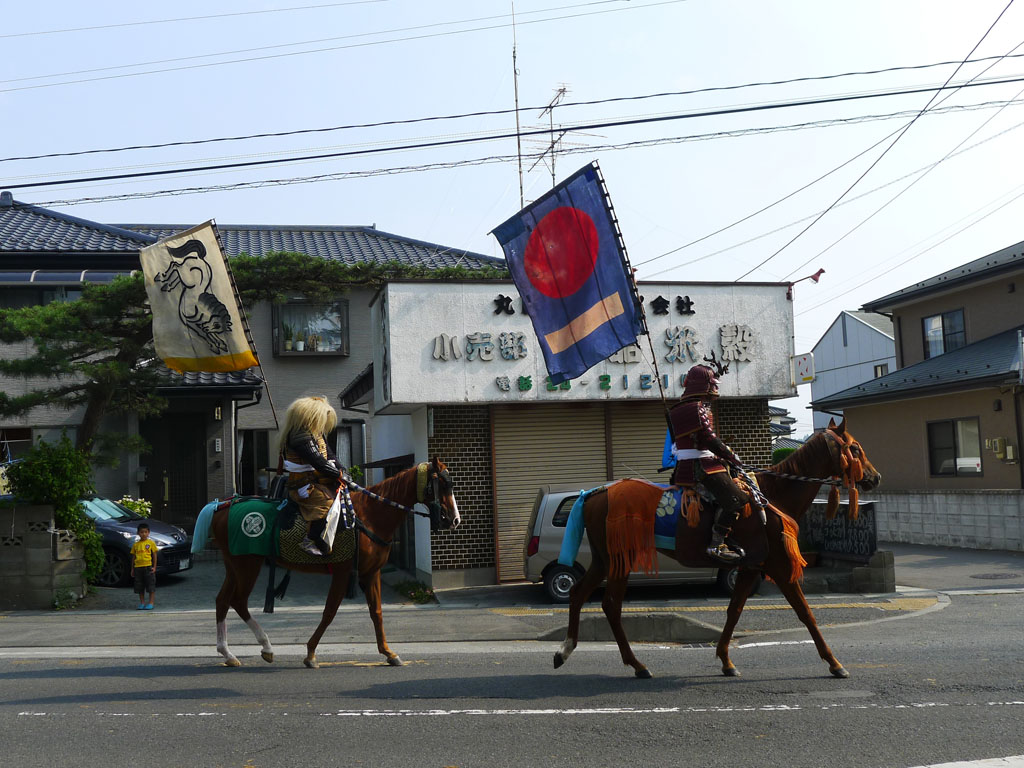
{"x": 585, "y": 324}
{"x": 221, "y": 363}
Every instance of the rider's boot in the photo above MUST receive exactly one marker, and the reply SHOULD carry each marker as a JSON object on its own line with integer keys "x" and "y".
{"x": 719, "y": 548}
{"x": 314, "y": 543}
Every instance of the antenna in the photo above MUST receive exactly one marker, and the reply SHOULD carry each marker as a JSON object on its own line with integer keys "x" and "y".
{"x": 549, "y": 110}
{"x": 515, "y": 84}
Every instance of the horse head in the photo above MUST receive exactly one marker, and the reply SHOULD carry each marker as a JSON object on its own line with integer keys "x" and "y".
{"x": 439, "y": 497}
{"x": 865, "y": 476}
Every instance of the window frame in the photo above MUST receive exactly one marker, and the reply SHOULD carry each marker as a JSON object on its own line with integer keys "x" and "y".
{"x": 277, "y": 327}
{"x": 957, "y": 455}
{"x": 945, "y": 333}
{"x": 879, "y": 373}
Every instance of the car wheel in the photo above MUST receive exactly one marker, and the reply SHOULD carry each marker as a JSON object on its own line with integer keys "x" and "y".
{"x": 116, "y": 571}
{"x": 559, "y": 581}
{"x": 727, "y": 581}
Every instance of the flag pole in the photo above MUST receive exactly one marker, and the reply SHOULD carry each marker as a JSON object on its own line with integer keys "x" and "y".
{"x": 245, "y": 324}
{"x": 631, "y": 273}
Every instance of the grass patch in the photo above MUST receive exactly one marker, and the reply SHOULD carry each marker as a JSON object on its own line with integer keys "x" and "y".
{"x": 416, "y": 591}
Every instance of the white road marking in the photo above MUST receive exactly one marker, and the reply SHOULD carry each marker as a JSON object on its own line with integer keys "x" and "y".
{"x": 585, "y": 711}
{"x": 1016, "y": 761}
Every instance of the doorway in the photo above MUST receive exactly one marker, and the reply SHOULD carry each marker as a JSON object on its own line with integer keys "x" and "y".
{"x": 175, "y": 480}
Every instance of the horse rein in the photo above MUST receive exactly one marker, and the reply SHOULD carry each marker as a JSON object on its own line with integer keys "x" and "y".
{"x": 435, "y": 486}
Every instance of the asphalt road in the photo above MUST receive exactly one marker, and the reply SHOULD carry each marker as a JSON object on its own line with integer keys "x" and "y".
{"x": 926, "y": 688}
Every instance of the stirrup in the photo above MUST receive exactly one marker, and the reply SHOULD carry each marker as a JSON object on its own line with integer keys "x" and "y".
{"x": 310, "y": 548}
{"x": 724, "y": 553}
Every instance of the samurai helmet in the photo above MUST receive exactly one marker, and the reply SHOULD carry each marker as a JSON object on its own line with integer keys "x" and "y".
{"x": 700, "y": 383}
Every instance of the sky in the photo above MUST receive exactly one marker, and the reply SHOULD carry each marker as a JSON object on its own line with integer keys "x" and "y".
{"x": 717, "y": 171}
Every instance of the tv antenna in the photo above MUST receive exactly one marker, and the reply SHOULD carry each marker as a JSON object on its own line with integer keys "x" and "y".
{"x": 515, "y": 85}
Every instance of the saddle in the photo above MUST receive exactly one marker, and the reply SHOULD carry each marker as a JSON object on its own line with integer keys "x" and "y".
{"x": 258, "y": 525}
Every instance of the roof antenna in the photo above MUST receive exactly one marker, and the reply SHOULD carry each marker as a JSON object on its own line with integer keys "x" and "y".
{"x": 515, "y": 84}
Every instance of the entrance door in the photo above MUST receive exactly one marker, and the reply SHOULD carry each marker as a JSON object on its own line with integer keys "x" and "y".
{"x": 175, "y": 481}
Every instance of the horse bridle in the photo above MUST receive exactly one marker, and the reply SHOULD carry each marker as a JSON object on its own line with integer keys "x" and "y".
{"x": 431, "y": 500}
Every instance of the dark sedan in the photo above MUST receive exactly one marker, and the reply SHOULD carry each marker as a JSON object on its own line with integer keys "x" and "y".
{"x": 118, "y": 526}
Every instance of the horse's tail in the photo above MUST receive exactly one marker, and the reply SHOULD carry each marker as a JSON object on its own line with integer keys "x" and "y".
{"x": 573, "y": 536}
{"x": 202, "y": 532}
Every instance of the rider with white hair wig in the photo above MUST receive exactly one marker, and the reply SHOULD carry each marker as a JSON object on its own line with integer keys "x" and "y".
{"x": 313, "y": 470}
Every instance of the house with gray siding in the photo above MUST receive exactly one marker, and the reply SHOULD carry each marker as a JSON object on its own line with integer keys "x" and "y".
{"x": 857, "y": 347}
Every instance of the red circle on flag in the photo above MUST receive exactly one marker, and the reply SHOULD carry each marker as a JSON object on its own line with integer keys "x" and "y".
{"x": 561, "y": 252}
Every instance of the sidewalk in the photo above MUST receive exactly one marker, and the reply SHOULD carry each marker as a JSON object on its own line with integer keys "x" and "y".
{"x": 517, "y": 612}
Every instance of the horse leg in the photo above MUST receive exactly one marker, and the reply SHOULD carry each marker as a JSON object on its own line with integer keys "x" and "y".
{"x": 578, "y": 596}
{"x": 339, "y": 584}
{"x": 745, "y": 580}
{"x": 612, "y": 607}
{"x": 371, "y": 588}
{"x": 245, "y": 581}
{"x": 224, "y": 597}
{"x": 795, "y": 596}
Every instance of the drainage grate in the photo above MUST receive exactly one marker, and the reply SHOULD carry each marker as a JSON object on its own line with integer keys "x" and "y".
{"x": 995, "y": 576}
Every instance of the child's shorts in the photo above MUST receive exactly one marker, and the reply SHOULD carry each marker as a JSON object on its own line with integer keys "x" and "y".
{"x": 145, "y": 580}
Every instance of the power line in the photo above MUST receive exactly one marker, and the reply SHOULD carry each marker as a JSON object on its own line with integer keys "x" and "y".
{"x": 885, "y": 151}
{"x": 499, "y": 112}
{"x": 188, "y": 18}
{"x": 507, "y": 159}
{"x": 337, "y": 47}
{"x": 506, "y": 135}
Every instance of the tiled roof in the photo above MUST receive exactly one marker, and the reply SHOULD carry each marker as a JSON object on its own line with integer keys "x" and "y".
{"x": 28, "y": 228}
{"x": 247, "y": 379}
{"x": 1009, "y": 259}
{"x": 350, "y": 245}
{"x": 992, "y": 361}
{"x": 787, "y": 442}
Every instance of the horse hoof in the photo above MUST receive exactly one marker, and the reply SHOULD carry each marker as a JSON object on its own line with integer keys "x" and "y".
{"x": 644, "y": 674}
{"x": 559, "y": 661}
{"x": 311, "y": 662}
{"x": 395, "y": 661}
{"x": 840, "y": 672}
{"x": 268, "y": 656}
{"x": 730, "y": 672}
{"x": 232, "y": 663}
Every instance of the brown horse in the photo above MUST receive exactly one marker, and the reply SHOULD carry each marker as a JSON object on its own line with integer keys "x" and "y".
{"x": 831, "y": 453}
{"x": 377, "y": 521}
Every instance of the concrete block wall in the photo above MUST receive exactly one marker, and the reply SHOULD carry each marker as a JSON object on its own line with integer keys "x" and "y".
{"x": 462, "y": 440}
{"x": 742, "y": 423}
{"x": 37, "y": 563}
{"x": 983, "y": 519}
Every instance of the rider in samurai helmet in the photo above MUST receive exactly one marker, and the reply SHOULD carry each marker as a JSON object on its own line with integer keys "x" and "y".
{"x": 313, "y": 470}
{"x": 702, "y": 458}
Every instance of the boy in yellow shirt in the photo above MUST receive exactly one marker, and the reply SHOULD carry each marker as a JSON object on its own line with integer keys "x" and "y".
{"x": 144, "y": 567}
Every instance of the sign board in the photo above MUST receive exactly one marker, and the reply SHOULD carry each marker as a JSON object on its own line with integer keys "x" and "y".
{"x": 840, "y": 537}
{"x": 803, "y": 368}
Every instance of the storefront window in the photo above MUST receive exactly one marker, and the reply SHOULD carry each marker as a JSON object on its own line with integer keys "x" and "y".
{"x": 303, "y": 328}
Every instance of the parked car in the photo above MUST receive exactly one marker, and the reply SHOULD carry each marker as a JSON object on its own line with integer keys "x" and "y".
{"x": 544, "y": 541}
{"x": 118, "y": 526}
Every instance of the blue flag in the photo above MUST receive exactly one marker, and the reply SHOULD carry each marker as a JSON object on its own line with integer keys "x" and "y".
{"x": 569, "y": 266}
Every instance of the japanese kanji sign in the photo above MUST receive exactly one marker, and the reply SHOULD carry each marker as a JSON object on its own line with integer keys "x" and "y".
{"x": 566, "y": 260}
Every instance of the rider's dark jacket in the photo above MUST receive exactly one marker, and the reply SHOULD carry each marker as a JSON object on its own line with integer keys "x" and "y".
{"x": 693, "y": 430}
{"x": 312, "y": 489}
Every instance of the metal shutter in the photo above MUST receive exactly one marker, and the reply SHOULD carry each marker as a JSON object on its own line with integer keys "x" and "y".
{"x": 535, "y": 445}
{"x": 638, "y": 438}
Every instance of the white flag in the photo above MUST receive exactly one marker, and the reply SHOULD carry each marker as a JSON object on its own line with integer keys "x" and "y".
{"x": 197, "y": 323}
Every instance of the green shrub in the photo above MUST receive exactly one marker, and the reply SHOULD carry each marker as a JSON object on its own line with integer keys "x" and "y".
{"x": 416, "y": 591}
{"x": 140, "y": 507}
{"x": 60, "y": 475}
{"x": 781, "y": 453}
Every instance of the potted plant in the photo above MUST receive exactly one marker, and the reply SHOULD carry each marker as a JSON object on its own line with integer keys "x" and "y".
{"x": 300, "y": 341}
{"x": 286, "y": 331}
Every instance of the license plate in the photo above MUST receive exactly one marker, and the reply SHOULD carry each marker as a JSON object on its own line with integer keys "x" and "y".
{"x": 185, "y": 561}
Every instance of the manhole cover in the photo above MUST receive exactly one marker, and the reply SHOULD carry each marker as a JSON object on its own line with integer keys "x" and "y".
{"x": 995, "y": 576}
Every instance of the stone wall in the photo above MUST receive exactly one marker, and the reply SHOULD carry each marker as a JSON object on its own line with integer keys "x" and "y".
{"x": 39, "y": 566}
{"x": 967, "y": 519}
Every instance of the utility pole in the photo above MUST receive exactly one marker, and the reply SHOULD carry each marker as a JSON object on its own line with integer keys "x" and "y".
{"x": 515, "y": 85}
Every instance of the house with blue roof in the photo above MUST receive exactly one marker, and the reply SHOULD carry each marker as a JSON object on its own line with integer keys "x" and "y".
{"x": 945, "y": 427}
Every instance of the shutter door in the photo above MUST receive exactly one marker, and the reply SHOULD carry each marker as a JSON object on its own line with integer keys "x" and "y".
{"x": 533, "y": 446}
{"x": 638, "y": 438}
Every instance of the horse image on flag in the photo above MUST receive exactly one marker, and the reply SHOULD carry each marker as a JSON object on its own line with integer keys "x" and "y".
{"x": 567, "y": 260}
{"x": 198, "y": 323}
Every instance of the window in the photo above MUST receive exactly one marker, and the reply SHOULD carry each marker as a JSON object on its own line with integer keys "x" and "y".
{"x": 881, "y": 369}
{"x": 954, "y": 447}
{"x": 944, "y": 333}
{"x": 304, "y": 328}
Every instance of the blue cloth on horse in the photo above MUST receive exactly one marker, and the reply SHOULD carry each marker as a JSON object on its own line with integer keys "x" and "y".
{"x": 202, "y": 529}
{"x": 573, "y": 536}
{"x": 667, "y": 518}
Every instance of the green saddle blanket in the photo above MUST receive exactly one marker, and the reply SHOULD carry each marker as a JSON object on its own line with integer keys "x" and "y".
{"x": 252, "y": 528}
